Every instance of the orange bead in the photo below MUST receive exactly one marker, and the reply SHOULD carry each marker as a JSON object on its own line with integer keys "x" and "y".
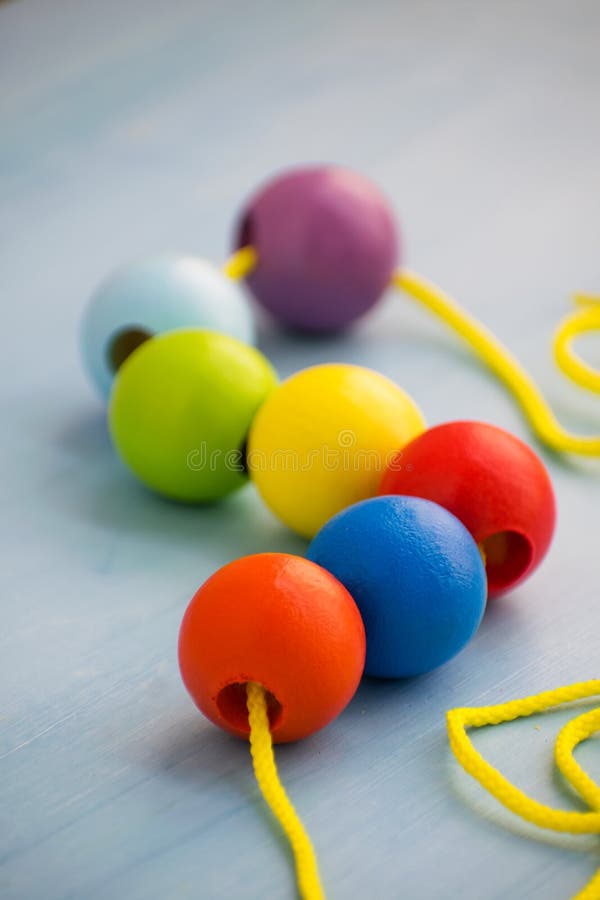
{"x": 279, "y": 620}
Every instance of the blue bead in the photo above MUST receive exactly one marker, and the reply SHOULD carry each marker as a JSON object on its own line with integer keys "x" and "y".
{"x": 153, "y": 296}
{"x": 416, "y": 575}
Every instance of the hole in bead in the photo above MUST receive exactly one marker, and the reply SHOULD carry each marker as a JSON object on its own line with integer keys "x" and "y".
{"x": 244, "y": 458}
{"x": 507, "y": 555}
{"x": 123, "y": 345}
{"x": 231, "y": 702}
{"x": 245, "y": 236}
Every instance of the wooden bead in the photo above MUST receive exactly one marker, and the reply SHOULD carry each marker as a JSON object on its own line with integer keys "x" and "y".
{"x": 283, "y": 622}
{"x": 181, "y": 408}
{"x": 322, "y": 439}
{"x": 493, "y": 482}
{"x": 326, "y": 243}
{"x": 153, "y": 296}
{"x": 416, "y": 575}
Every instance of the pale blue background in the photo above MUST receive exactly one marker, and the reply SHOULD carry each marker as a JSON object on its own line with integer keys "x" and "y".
{"x": 133, "y": 127}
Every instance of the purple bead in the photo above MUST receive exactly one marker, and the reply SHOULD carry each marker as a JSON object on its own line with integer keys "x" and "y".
{"x": 327, "y": 246}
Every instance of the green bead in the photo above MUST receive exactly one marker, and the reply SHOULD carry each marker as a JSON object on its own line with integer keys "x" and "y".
{"x": 181, "y": 408}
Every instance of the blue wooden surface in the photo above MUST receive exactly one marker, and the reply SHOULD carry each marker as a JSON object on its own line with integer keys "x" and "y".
{"x": 128, "y": 128}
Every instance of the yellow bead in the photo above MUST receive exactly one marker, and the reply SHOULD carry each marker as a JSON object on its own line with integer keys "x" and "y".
{"x": 323, "y": 439}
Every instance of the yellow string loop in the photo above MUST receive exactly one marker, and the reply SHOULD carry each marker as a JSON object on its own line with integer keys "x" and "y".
{"x": 507, "y": 368}
{"x": 585, "y": 318}
{"x": 576, "y": 731}
{"x": 573, "y": 733}
{"x": 265, "y": 770}
{"x": 241, "y": 263}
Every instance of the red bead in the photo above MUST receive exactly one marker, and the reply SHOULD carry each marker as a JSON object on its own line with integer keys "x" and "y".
{"x": 283, "y": 622}
{"x": 493, "y": 482}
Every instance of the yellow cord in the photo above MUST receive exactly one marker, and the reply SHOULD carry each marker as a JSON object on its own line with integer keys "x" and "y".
{"x": 241, "y": 263}
{"x": 508, "y": 369}
{"x": 494, "y": 354}
{"x": 576, "y": 731}
{"x": 265, "y": 769}
{"x": 585, "y": 318}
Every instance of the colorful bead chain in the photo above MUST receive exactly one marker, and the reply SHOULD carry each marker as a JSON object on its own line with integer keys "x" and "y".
{"x": 412, "y": 529}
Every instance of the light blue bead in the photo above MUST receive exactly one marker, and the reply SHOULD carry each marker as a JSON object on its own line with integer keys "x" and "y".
{"x": 416, "y": 575}
{"x": 157, "y": 295}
